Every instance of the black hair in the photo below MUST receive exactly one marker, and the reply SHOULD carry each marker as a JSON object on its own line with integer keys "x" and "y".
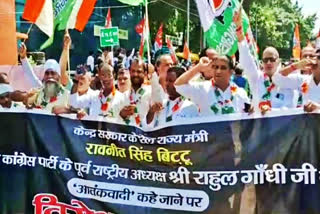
{"x": 177, "y": 70}
{"x": 230, "y": 62}
{"x": 238, "y": 70}
{"x": 203, "y": 52}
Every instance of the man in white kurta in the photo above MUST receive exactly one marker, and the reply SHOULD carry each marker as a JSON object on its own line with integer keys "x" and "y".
{"x": 175, "y": 107}
{"x": 266, "y": 94}
{"x": 307, "y": 85}
{"x": 138, "y": 98}
{"x": 218, "y": 96}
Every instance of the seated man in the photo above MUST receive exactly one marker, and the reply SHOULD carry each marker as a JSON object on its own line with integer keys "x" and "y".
{"x": 174, "y": 108}
{"x": 215, "y": 97}
{"x": 52, "y": 93}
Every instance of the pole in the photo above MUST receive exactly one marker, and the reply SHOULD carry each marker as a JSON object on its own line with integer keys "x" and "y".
{"x": 147, "y": 31}
{"x": 188, "y": 21}
{"x": 29, "y": 30}
{"x": 68, "y": 53}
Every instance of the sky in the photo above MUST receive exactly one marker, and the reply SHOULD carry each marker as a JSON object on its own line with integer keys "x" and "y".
{"x": 310, "y": 7}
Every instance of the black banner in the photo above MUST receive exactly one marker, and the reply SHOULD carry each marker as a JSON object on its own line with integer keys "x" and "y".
{"x": 52, "y": 164}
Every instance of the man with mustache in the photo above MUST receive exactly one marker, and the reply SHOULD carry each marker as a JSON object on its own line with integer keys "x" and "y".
{"x": 106, "y": 102}
{"x": 307, "y": 85}
{"x": 138, "y": 98}
{"x": 215, "y": 97}
{"x": 52, "y": 93}
{"x": 173, "y": 108}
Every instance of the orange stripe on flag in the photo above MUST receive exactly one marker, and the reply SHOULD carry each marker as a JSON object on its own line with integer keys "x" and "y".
{"x": 296, "y": 51}
{"x": 32, "y": 10}
{"x": 84, "y": 14}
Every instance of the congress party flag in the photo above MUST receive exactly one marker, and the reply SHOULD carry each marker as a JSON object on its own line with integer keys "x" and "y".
{"x": 216, "y": 18}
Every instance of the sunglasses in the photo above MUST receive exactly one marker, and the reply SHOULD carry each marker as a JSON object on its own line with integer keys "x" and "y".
{"x": 267, "y": 59}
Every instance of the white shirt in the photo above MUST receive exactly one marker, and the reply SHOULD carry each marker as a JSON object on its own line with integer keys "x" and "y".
{"x": 296, "y": 82}
{"x": 203, "y": 94}
{"x": 187, "y": 109}
{"x": 90, "y": 62}
{"x": 142, "y": 99}
{"x": 83, "y": 101}
{"x": 279, "y": 97}
{"x": 94, "y": 100}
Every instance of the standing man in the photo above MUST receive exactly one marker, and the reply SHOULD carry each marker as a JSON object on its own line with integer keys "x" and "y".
{"x": 163, "y": 63}
{"x": 215, "y": 97}
{"x": 176, "y": 107}
{"x": 52, "y": 93}
{"x": 6, "y": 101}
{"x": 307, "y": 85}
{"x": 138, "y": 98}
{"x": 265, "y": 93}
{"x": 123, "y": 82}
{"x": 107, "y": 102}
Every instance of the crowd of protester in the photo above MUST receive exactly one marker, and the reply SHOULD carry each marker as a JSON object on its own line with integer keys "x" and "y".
{"x": 122, "y": 87}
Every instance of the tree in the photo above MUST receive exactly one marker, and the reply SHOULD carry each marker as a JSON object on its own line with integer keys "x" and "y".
{"x": 274, "y": 21}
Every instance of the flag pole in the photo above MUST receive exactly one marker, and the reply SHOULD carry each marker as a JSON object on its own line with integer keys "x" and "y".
{"x": 29, "y": 30}
{"x": 147, "y": 26}
{"x": 68, "y": 53}
{"x": 188, "y": 21}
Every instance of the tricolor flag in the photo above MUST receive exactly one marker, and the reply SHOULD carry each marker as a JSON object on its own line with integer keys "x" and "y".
{"x": 40, "y": 13}
{"x": 172, "y": 52}
{"x": 66, "y": 14}
{"x": 186, "y": 52}
{"x": 108, "y": 23}
{"x": 158, "y": 40}
{"x": 296, "y": 50}
{"x": 216, "y": 18}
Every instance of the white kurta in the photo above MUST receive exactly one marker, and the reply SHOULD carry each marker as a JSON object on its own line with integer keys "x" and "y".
{"x": 187, "y": 109}
{"x": 279, "y": 97}
{"x": 142, "y": 99}
{"x": 203, "y": 95}
{"x": 297, "y": 82}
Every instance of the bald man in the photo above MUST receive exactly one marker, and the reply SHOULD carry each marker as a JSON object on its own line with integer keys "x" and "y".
{"x": 266, "y": 95}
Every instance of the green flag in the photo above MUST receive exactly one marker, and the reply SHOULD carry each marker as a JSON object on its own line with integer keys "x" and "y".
{"x": 217, "y": 21}
{"x": 133, "y": 2}
{"x": 62, "y": 11}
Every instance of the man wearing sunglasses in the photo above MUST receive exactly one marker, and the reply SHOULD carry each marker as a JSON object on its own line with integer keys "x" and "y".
{"x": 266, "y": 94}
{"x": 308, "y": 85}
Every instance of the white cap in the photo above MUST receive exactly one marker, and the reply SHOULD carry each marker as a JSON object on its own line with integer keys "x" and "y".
{"x": 5, "y": 88}
{"x": 53, "y": 65}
